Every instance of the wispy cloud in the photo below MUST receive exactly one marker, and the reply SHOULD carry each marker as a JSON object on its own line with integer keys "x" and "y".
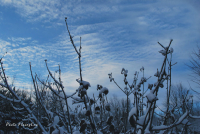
{"x": 19, "y": 39}
{"x": 34, "y": 10}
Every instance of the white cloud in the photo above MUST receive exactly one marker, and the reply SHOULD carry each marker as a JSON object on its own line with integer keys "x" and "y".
{"x": 34, "y": 10}
{"x": 38, "y": 10}
{"x": 19, "y": 39}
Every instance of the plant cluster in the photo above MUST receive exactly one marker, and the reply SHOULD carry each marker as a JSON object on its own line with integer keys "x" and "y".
{"x": 51, "y": 113}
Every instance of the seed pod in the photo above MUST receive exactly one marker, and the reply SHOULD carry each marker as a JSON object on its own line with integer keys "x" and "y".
{"x": 107, "y": 106}
{"x": 109, "y": 120}
{"x": 97, "y": 110}
{"x": 112, "y": 128}
{"x": 88, "y": 113}
{"x": 82, "y": 122}
{"x": 83, "y": 127}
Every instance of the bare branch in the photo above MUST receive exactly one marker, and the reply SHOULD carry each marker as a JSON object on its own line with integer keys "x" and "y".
{"x": 71, "y": 38}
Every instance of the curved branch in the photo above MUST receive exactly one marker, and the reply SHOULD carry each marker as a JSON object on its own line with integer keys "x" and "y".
{"x": 178, "y": 122}
{"x": 9, "y": 99}
{"x": 194, "y": 117}
{"x": 53, "y": 77}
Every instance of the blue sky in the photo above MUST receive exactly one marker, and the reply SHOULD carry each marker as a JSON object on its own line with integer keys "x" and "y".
{"x": 115, "y": 34}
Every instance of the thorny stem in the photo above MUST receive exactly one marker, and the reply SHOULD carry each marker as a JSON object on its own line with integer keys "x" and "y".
{"x": 60, "y": 84}
{"x": 142, "y": 93}
{"x": 3, "y": 56}
{"x": 126, "y": 112}
{"x": 38, "y": 96}
{"x": 159, "y": 80}
{"x": 80, "y": 60}
{"x": 79, "y": 56}
{"x": 61, "y": 103}
{"x": 71, "y": 38}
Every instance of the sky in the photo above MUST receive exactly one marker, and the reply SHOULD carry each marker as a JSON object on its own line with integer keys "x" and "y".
{"x": 115, "y": 34}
